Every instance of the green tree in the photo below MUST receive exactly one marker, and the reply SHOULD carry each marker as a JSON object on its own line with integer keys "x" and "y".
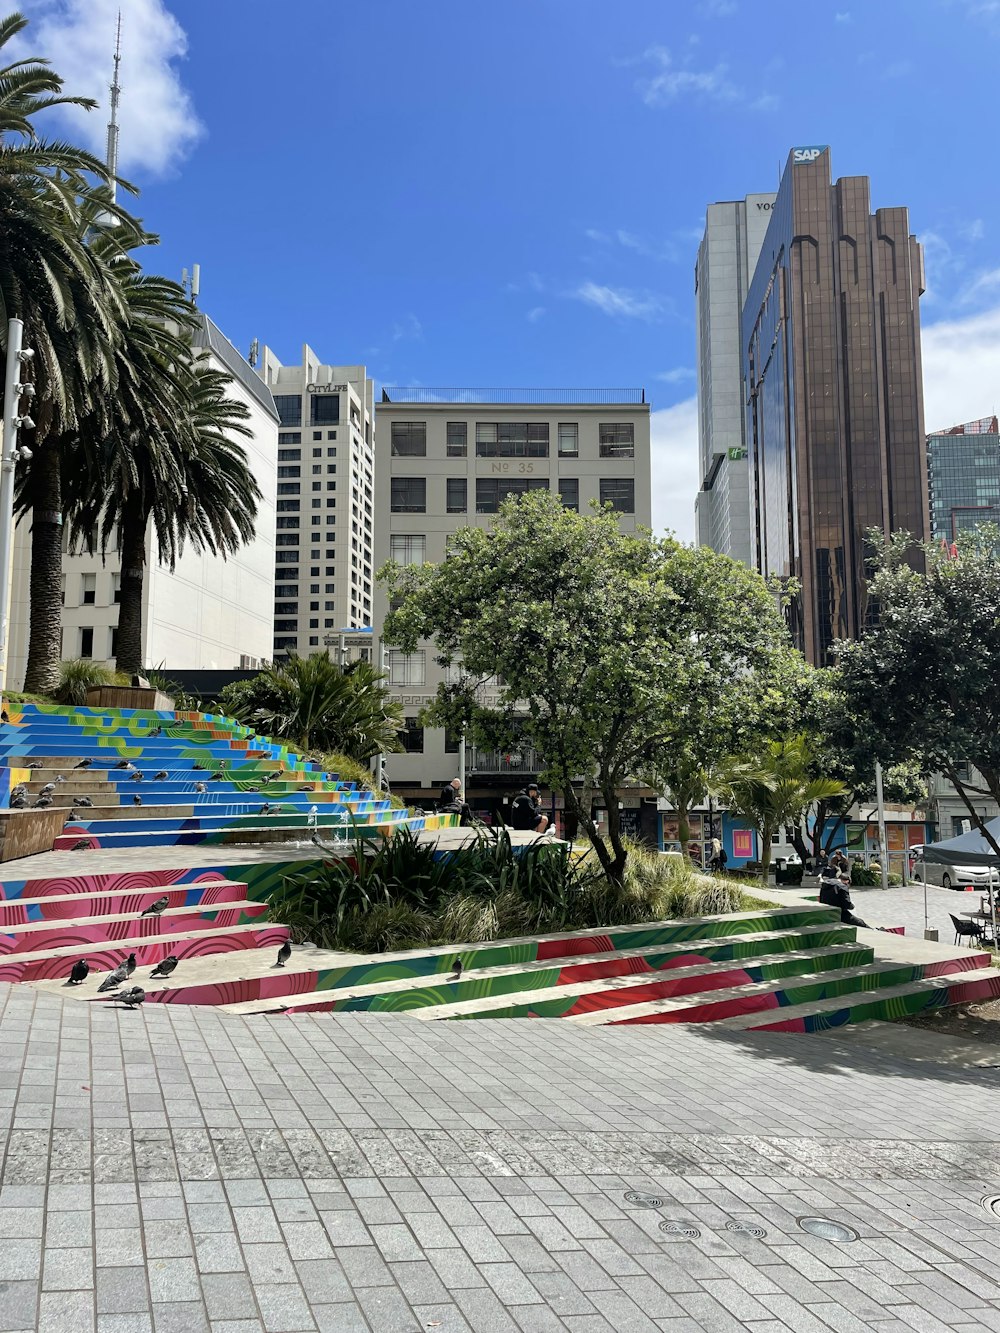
{"x": 599, "y": 647}
{"x": 924, "y": 679}
{"x": 51, "y": 197}
{"x": 775, "y": 787}
{"x": 316, "y": 705}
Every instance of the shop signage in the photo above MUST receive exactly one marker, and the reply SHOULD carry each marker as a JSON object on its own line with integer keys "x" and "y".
{"x": 326, "y": 388}
{"x": 800, "y": 155}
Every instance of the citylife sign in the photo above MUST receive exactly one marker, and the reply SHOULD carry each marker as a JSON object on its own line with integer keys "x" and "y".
{"x": 806, "y": 155}
{"x": 326, "y": 388}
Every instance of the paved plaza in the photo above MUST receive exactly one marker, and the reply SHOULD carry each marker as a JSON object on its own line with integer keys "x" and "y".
{"x": 181, "y": 1170}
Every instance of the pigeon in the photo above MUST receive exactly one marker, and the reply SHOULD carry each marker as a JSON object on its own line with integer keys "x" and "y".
{"x": 82, "y": 800}
{"x": 265, "y": 809}
{"x": 129, "y": 964}
{"x": 18, "y": 802}
{"x": 16, "y": 791}
{"x": 124, "y": 763}
{"x": 284, "y": 953}
{"x": 131, "y": 997}
{"x": 165, "y": 967}
{"x": 49, "y": 786}
{"x": 78, "y": 972}
{"x": 154, "y": 909}
{"x": 138, "y": 777}
{"x": 72, "y": 818}
{"x": 458, "y": 970}
{"x": 217, "y": 777}
{"x": 80, "y": 846}
{"x": 137, "y": 799}
{"x": 84, "y": 763}
{"x": 157, "y": 731}
{"x": 114, "y": 979}
{"x": 200, "y": 787}
{"x": 161, "y": 776}
{"x": 200, "y": 767}
{"x": 254, "y": 790}
{"x": 42, "y": 802}
{"x": 37, "y": 764}
{"x": 59, "y": 778}
{"x": 4, "y": 716}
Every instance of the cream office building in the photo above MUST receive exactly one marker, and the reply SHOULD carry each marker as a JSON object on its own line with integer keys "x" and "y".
{"x": 325, "y": 501}
{"x": 446, "y": 459}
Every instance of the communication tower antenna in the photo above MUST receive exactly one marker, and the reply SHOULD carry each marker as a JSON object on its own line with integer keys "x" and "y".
{"x": 112, "y": 144}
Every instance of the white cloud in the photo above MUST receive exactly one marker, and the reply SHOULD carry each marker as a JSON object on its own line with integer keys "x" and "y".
{"x": 619, "y": 301}
{"x": 961, "y": 360}
{"x": 677, "y": 375}
{"x": 674, "y": 465}
{"x": 973, "y": 230}
{"x": 158, "y": 122}
{"x": 535, "y": 314}
{"x": 671, "y": 82}
{"x": 408, "y": 327}
{"x": 843, "y": 16}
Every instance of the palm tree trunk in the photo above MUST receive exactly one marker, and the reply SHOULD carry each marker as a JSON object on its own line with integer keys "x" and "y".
{"x": 766, "y": 834}
{"x": 45, "y": 636}
{"x": 135, "y": 520}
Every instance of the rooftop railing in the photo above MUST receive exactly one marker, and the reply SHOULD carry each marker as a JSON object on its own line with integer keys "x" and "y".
{"x": 528, "y": 397}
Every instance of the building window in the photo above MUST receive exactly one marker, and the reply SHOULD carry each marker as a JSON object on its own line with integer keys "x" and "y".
{"x": 317, "y": 435}
{"x": 457, "y": 495}
{"x": 284, "y": 521}
{"x": 569, "y": 492}
{"x": 408, "y": 548}
{"x": 87, "y": 641}
{"x": 512, "y": 439}
{"x": 451, "y": 741}
{"x": 288, "y": 488}
{"x": 116, "y": 588}
{"x": 288, "y": 506}
{"x": 313, "y": 640}
{"x": 407, "y": 668}
{"x": 289, "y": 409}
{"x": 286, "y": 590}
{"x": 289, "y": 437}
{"x": 289, "y": 471}
{"x": 490, "y": 491}
{"x": 114, "y": 641}
{"x": 408, "y": 495}
{"x": 619, "y": 492}
{"x": 89, "y": 596}
{"x": 285, "y": 645}
{"x": 616, "y": 439}
{"x": 324, "y": 410}
{"x": 289, "y": 455}
{"x": 287, "y": 558}
{"x": 569, "y": 439}
{"x": 412, "y": 737}
{"x": 458, "y": 439}
{"x": 409, "y": 439}
{"x": 331, "y": 435}
{"x": 285, "y": 626}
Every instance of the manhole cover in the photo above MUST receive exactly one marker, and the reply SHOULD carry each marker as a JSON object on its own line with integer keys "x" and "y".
{"x": 643, "y": 1200}
{"x": 747, "y": 1229}
{"x": 992, "y": 1204}
{"x": 680, "y": 1229}
{"x": 827, "y": 1230}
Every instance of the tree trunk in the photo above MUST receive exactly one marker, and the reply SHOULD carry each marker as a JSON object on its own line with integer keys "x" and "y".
{"x": 683, "y": 822}
{"x": 766, "y": 833}
{"x": 616, "y": 869}
{"x": 135, "y": 521}
{"x": 584, "y": 820}
{"x": 45, "y": 638}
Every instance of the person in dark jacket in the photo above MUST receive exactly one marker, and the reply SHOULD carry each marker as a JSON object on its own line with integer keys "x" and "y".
{"x": 450, "y": 802}
{"x": 526, "y": 813}
{"x": 833, "y": 892}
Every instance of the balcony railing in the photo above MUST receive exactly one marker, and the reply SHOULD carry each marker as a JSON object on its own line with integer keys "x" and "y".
{"x": 397, "y": 393}
{"x": 521, "y": 761}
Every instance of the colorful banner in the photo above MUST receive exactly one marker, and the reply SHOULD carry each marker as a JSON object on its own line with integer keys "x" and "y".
{"x": 742, "y": 843}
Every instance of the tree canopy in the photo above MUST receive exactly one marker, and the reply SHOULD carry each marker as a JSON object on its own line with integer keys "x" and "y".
{"x": 610, "y": 652}
{"x": 923, "y": 682}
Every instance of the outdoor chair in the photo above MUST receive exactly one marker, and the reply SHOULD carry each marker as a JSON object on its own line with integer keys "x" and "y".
{"x": 967, "y": 929}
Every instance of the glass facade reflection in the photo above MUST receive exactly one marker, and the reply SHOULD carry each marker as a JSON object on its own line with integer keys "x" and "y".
{"x": 964, "y": 477}
{"x": 833, "y": 396}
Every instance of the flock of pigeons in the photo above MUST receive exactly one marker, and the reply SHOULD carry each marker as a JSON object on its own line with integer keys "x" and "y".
{"x": 19, "y": 794}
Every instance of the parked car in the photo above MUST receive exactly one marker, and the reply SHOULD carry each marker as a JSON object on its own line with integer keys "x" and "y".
{"x": 952, "y": 876}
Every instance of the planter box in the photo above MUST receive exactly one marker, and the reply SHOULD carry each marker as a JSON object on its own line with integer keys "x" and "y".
{"x": 125, "y": 696}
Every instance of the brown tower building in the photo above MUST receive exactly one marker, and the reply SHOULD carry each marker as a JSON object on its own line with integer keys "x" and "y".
{"x": 833, "y": 391}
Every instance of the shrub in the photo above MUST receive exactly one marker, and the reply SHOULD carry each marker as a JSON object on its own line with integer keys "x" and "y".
{"x": 80, "y": 675}
{"x": 866, "y": 876}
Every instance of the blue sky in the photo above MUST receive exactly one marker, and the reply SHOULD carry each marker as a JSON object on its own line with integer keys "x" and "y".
{"x": 463, "y": 194}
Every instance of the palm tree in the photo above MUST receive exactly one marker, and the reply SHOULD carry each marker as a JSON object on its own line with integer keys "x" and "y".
{"x": 316, "y": 705}
{"x": 51, "y": 194}
{"x": 775, "y": 788}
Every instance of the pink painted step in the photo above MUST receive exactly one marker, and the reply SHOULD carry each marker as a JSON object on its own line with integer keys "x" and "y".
{"x": 29, "y": 964}
{"x": 98, "y": 902}
{"x": 116, "y": 925}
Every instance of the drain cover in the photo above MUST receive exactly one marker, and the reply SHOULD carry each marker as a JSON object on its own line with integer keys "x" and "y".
{"x": 992, "y": 1204}
{"x": 680, "y": 1229}
{"x": 643, "y": 1200}
{"x": 747, "y": 1229}
{"x": 826, "y": 1229}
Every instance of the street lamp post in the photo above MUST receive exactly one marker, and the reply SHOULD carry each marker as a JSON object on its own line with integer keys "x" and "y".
{"x": 13, "y": 420}
{"x": 883, "y": 845}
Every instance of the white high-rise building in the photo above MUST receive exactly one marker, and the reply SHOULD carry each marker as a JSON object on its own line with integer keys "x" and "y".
{"x": 446, "y": 460}
{"x": 727, "y": 257}
{"x": 209, "y": 612}
{"x": 325, "y": 501}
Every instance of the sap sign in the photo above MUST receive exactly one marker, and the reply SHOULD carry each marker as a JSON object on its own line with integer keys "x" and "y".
{"x": 800, "y": 155}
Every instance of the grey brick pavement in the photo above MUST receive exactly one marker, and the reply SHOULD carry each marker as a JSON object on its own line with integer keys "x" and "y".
{"x": 178, "y": 1170}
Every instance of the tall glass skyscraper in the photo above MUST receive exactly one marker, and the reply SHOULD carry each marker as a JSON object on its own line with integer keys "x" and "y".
{"x": 963, "y": 469}
{"x": 833, "y": 396}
